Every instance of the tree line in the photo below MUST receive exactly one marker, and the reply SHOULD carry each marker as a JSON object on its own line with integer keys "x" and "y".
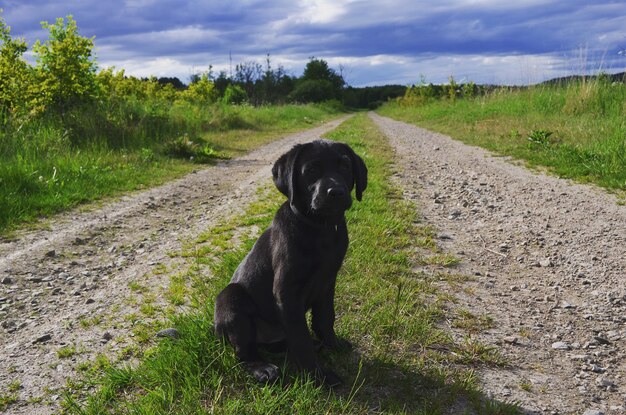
{"x": 260, "y": 84}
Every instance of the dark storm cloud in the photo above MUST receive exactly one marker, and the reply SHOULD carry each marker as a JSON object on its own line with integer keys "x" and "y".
{"x": 547, "y": 28}
{"x": 202, "y": 33}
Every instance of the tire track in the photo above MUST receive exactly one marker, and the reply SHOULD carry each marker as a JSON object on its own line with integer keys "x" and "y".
{"x": 547, "y": 258}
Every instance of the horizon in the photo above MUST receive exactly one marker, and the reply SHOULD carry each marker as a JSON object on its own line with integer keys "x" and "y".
{"x": 403, "y": 43}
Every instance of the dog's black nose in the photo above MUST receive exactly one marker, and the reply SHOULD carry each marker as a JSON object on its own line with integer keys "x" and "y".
{"x": 336, "y": 192}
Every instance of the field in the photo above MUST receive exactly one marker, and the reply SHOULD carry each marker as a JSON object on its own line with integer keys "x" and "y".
{"x": 46, "y": 167}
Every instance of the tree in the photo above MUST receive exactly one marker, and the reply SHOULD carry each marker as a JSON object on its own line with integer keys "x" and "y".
{"x": 246, "y": 75}
{"x": 318, "y": 83}
{"x": 313, "y": 91}
{"x": 174, "y": 81}
{"x": 274, "y": 86}
{"x": 201, "y": 92}
{"x": 65, "y": 66}
{"x": 318, "y": 70}
{"x": 222, "y": 82}
{"x": 15, "y": 75}
{"x": 234, "y": 94}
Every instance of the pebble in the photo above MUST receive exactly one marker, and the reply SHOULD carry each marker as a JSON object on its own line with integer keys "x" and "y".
{"x": 597, "y": 369}
{"x": 510, "y": 339}
{"x": 172, "y": 333}
{"x": 601, "y": 340}
{"x": 545, "y": 263}
{"x": 604, "y": 382}
{"x": 560, "y": 346}
{"x": 106, "y": 337}
{"x": 43, "y": 339}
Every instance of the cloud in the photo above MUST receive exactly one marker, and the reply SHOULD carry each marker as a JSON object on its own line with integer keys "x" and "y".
{"x": 393, "y": 41}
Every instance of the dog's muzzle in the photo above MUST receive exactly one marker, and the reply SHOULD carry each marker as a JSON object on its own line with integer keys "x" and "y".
{"x": 331, "y": 200}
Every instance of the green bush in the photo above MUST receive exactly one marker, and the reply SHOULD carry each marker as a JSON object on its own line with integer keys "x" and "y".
{"x": 65, "y": 68}
{"x": 234, "y": 95}
{"x": 313, "y": 91}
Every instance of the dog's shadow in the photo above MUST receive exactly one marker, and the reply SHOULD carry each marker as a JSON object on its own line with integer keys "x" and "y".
{"x": 383, "y": 386}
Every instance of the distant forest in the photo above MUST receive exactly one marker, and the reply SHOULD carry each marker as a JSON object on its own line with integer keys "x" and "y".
{"x": 615, "y": 77}
{"x": 260, "y": 84}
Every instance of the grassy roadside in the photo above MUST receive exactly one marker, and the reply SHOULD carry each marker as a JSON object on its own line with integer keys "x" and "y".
{"x": 403, "y": 361}
{"x": 42, "y": 172}
{"x": 575, "y": 131}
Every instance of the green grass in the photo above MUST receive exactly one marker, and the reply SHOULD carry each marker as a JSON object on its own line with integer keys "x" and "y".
{"x": 66, "y": 352}
{"x": 403, "y": 361}
{"x": 47, "y": 167}
{"x": 10, "y": 396}
{"x": 576, "y": 131}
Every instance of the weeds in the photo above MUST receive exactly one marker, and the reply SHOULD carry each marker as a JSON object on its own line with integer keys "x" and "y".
{"x": 65, "y": 352}
{"x": 541, "y": 137}
{"x": 10, "y": 396}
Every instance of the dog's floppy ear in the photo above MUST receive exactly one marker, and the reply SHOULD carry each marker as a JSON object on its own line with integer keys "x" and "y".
{"x": 360, "y": 175}
{"x": 283, "y": 171}
{"x": 359, "y": 171}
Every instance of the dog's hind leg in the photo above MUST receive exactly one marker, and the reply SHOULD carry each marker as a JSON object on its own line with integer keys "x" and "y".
{"x": 234, "y": 320}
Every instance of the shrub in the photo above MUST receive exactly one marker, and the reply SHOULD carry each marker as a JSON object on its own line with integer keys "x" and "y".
{"x": 15, "y": 76}
{"x": 313, "y": 91}
{"x": 65, "y": 68}
{"x": 202, "y": 91}
{"x": 234, "y": 94}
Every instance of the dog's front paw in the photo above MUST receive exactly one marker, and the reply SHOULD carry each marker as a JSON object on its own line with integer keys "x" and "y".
{"x": 330, "y": 378}
{"x": 263, "y": 372}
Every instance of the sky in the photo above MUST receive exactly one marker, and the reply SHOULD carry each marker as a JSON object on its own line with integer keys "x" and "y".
{"x": 403, "y": 42}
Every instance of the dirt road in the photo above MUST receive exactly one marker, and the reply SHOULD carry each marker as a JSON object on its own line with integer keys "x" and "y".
{"x": 548, "y": 263}
{"x": 546, "y": 257}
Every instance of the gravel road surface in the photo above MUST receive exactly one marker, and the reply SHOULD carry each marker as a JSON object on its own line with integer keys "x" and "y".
{"x": 548, "y": 263}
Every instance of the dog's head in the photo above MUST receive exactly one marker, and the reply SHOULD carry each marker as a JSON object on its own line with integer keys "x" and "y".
{"x": 319, "y": 176}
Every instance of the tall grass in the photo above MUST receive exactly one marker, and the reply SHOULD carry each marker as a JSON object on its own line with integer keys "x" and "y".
{"x": 52, "y": 163}
{"x": 575, "y": 130}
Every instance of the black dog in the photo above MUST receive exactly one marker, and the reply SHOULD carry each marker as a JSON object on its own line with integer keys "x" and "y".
{"x": 293, "y": 266}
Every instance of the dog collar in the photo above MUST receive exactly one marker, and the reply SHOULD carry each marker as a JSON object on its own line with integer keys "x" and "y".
{"x": 319, "y": 225}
